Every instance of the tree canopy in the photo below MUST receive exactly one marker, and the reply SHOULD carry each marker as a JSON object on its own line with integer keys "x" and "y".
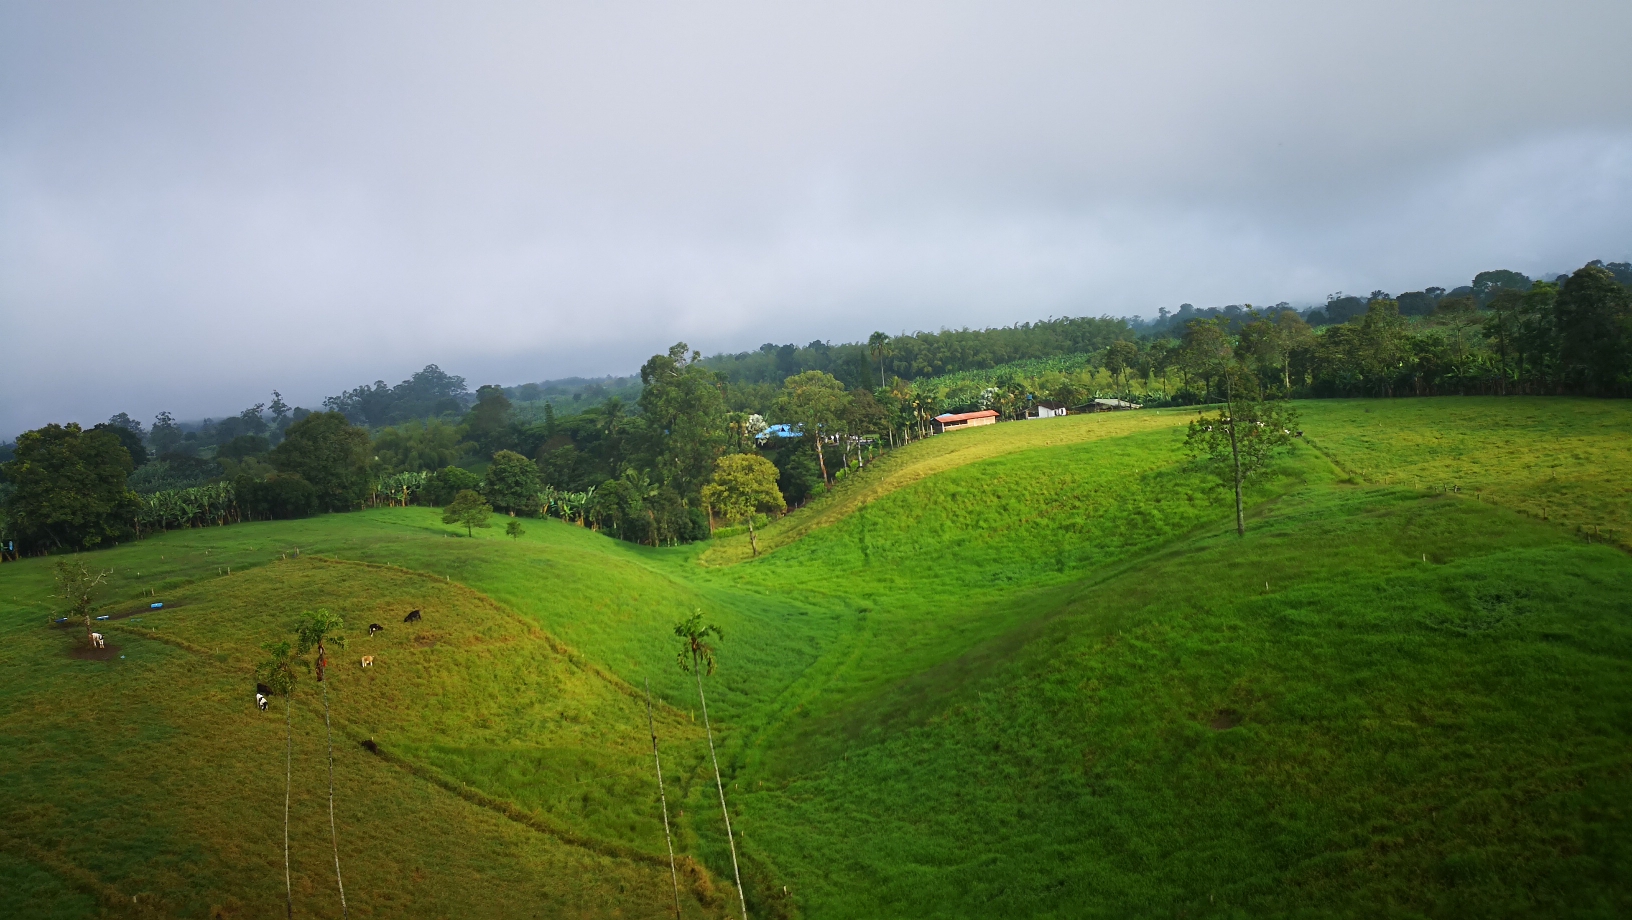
{"x": 68, "y": 489}
{"x": 815, "y": 402}
{"x": 330, "y": 453}
{"x": 743, "y": 485}
{"x": 512, "y": 483}
{"x": 685, "y": 418}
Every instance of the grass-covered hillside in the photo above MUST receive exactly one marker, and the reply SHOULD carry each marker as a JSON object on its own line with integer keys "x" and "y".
{"x": 1021, "y": 671}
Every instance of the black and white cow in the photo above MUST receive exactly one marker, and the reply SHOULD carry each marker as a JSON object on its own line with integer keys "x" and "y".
{"x": 412, "y": 617}
{"x": 263, "y": 694}
{"x": 374, "y": 628}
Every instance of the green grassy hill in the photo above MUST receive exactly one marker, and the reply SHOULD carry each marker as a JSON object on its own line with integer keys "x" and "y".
{"x": 1022, "y": 671}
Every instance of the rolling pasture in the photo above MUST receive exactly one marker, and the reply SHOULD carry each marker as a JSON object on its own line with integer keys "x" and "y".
{"x": 1021, "y": 671}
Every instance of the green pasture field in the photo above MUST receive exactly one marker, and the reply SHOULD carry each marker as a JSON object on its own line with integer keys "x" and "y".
{"x": 1023, "y": 671}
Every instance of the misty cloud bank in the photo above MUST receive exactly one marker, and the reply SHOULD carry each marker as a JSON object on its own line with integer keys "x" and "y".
{"x": 203, "y": 203}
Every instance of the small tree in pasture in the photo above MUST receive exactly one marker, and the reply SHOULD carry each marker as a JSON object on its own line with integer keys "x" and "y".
{"x": 278, "y": 673}
{"x": 743, "y": 485}
{"x": 468, "y": 510}
{"x": 76, "y": 586}
{"x": 696, "y": 654}
{"x": 1241, "y": 438}
{"x": 514, "y": 530}
{"x": 314, "y": 632}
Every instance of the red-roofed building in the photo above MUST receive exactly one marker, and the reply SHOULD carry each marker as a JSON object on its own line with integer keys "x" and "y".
{"x": 953, "y": 421}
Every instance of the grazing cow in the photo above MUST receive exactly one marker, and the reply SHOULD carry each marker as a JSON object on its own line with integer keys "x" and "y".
{"x": 262, "y": 689}
{"x": 97, "y": 641}
{"x": 374, "y": 628}
{"x": 260, "y": 701}
{"x": 368, "y": 661}
{"x": 412, "y": 617}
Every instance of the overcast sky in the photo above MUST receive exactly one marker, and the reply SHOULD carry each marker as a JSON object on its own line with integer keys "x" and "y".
{"x": 200, "y": 202}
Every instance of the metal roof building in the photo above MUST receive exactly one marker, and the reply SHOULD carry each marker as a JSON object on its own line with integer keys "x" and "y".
{"x": 952, "y": 421}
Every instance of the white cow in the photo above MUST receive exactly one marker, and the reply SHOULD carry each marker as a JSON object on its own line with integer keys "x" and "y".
{"x": 97, "y": 641}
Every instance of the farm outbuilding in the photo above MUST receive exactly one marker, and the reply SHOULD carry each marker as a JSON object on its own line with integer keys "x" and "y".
{"x": 1047, "y": 409}
{"x": 952, "y": 421}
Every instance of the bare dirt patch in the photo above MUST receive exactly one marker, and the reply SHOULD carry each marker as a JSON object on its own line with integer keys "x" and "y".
{"x": 1224, "y": 720}
{"x": 82, "y": 652}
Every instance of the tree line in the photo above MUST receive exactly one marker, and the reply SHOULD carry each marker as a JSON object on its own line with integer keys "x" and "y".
{"x": 638, "y": 470}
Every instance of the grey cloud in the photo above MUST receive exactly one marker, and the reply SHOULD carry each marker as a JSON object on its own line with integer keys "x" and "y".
{"x": 200, "y": 202}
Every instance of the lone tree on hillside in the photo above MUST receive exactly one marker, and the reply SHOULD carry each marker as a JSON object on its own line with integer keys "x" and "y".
{"x": 469, "y": 510}
{"x": 1245, "y": 433}
{"x": 695, "y": 655}
{"x": 743, "y": 485}
{"x": 77, "y": 587}
{"x": 277, "y": 672}
{"x": 514, "y": 530}
{"x": 314, "y": 632}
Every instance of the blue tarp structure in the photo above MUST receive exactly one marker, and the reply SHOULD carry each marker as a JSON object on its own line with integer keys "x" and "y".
{"x": 781, "y": 431}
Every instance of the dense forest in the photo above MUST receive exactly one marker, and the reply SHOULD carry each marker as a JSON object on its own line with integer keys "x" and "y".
{"x": 633, "y": 456}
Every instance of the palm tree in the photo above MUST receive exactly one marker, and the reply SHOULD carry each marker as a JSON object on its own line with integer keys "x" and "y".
{"x": 694, "y": 656}
{"x": 879, "y": 344}
{"x": 314, "y": 632}
{"x": 923, "y": 408}
{"x": 278, "y": 673}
